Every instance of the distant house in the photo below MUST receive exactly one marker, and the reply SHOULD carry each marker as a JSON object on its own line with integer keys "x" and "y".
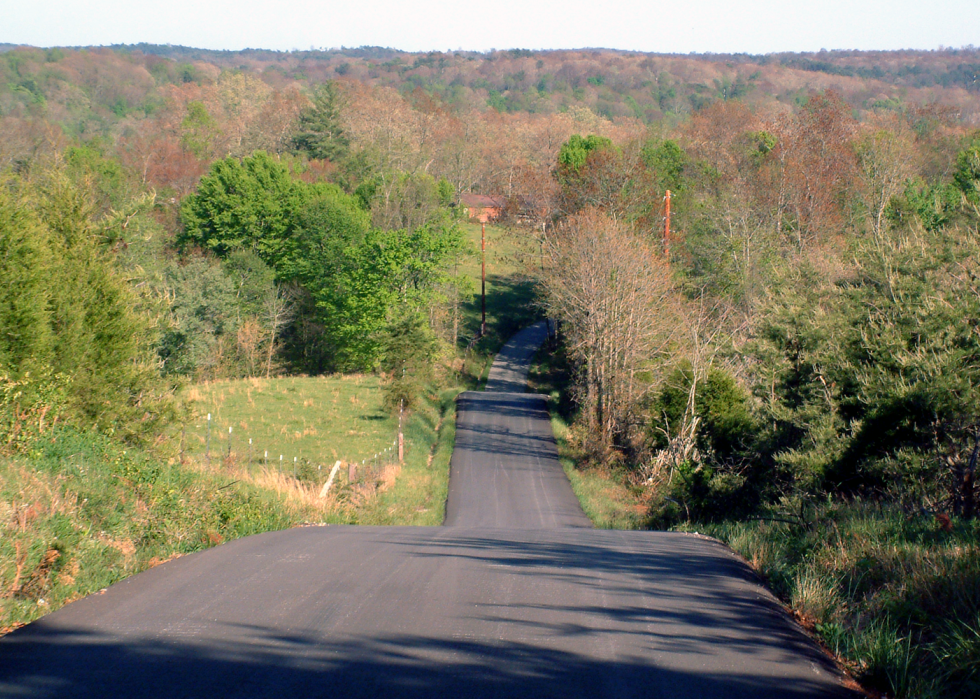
{"x": 482, "y": 207}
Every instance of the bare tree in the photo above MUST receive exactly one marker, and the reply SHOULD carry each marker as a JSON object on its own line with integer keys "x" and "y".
{"x": 884, "y": 157}
{"x": 280, "y": 309}
{"x": 614, "y": 296}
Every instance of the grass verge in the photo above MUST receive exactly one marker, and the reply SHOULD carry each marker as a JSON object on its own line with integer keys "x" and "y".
{"x": 608, "y": 496}
{"x": 896, "y": 597}
{"x": 81, "y": 512}
{"x": 510, "y": 298}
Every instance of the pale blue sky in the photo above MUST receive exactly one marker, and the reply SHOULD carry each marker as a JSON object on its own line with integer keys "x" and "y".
{"x": 719, "y": 26}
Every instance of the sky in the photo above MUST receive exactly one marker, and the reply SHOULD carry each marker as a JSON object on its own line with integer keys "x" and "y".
{"x": 681, "y": 26}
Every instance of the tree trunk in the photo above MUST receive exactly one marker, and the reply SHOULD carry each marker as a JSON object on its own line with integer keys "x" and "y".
{"x": 969, "y": 500}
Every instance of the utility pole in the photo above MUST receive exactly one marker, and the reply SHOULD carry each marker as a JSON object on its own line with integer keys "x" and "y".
{"x": 667, "y": 225}
{"x": 547, "y": 320}
{"x": 483, "y": 277}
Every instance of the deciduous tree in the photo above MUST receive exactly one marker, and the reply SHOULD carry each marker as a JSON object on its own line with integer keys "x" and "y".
{"x": 613, "y": 296}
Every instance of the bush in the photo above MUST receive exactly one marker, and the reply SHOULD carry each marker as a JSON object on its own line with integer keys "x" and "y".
{"x": 718, "y": 476}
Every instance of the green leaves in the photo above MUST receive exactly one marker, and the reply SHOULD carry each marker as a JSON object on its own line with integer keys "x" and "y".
{"x": 864, "y": 380}
{"x": 68, "y": 311}
{"x": 373, "y": 281}
{"x": 243, "y": 204}
{"x": 967, "y": 175}
{"x": 575, "y": 152}
{"x": 668, "y": 161}
{"x": 320, "y": 133}
{"x": 358, "y": 278}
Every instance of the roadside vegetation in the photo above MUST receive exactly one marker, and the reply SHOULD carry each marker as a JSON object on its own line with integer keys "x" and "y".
{"x": 133, "y": 456}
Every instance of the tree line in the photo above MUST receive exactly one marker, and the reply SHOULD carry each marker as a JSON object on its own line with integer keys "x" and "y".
{"x": 270, "y": 228}
{"x": 811, "y": 327}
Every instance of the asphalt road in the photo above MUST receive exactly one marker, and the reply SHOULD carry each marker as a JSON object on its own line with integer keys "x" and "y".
{"x": 516, "y": 596}
{"x": 505, "y": 471}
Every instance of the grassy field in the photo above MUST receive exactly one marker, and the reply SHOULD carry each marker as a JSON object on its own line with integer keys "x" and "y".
{"x": 313, "y": 419}
{"x": 313, "y": 422}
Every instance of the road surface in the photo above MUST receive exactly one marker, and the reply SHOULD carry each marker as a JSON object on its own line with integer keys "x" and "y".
{"x": 516, "y": 596}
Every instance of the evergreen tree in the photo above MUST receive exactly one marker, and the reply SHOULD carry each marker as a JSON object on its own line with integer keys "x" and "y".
{"x": 320, "y": 132}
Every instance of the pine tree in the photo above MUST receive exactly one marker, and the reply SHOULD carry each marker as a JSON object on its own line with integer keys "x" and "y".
{"x": 320, "y": 134}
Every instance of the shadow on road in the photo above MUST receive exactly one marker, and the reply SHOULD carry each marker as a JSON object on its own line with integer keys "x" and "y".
{"x": 518, "y": 597}
{"x": 269, "y": 663}
{"x": 563, "y": 613}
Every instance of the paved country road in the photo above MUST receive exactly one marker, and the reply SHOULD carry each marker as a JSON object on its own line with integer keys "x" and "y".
{"x": 516, "y": 596}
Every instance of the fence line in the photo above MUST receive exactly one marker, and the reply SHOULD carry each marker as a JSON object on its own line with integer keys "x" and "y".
{"x": 359, "y": 471}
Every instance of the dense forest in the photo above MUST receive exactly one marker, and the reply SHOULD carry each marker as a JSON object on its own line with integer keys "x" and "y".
{"x": 802, "y": 339}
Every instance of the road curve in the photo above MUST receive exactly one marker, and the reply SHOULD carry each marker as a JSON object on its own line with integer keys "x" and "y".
{"x": 516, "y": 597}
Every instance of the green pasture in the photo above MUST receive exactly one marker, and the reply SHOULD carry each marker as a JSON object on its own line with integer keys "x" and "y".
{"x": 316, "y": 420}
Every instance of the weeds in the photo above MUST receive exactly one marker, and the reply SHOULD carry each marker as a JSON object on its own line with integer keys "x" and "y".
{"x": 82, "y": 512}
{"x": 896, "y": 597}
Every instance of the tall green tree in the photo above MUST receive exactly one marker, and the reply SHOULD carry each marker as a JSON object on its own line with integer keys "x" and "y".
{"x": 373, "y": 279}
{"x": 872, "y": 385}
{"x": 320, "y": 134}
{"x": 71, "y": 312}
{"x": 25, "y": 260}
{"x": 967, "y": 175}
{"x": 199, "y": 131}
{"x": 249, "y": 203}
{"x": 668, "y": 160}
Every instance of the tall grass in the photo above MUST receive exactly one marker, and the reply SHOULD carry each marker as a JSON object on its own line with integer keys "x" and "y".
{"x": 896, "y": 597}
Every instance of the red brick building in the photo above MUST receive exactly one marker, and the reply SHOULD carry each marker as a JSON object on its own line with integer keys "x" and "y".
{"x": 482, "y": 207}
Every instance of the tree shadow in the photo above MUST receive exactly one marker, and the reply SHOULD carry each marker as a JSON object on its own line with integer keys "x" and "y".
{"x": 511, "y": 305}
{"x": 559, "y": 613}
{"x": 265, "y": 662}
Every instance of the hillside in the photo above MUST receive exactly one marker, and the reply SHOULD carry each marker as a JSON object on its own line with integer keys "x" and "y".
{"x": 797, "y": 346}
{"x": 111, "y": 84}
